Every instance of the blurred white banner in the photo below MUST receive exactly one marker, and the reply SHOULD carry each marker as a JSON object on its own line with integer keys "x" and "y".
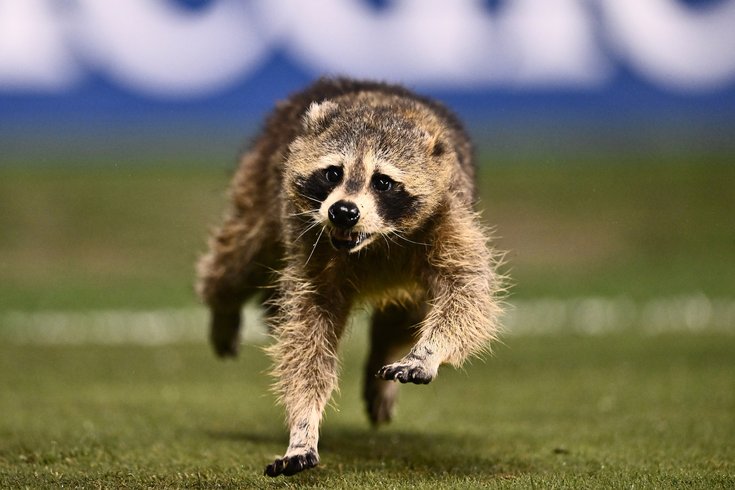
{"x": 158, "y": 48}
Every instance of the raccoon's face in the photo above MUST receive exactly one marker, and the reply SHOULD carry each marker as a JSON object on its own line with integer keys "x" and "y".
{"x": 363, "y": 172}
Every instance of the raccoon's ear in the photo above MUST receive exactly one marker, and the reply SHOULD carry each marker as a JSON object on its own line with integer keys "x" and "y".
{"x": 437, "y": 146}
{"x": 319, "y": 115}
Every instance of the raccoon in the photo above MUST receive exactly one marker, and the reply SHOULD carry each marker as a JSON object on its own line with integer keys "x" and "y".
{"x": 355, "y": 193}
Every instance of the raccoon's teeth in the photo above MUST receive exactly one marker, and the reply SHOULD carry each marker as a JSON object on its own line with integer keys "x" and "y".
{"x": 342, "y": 234}
{"x": 344, "y": 239}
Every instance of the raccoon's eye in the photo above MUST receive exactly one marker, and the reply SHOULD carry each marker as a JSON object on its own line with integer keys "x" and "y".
{"x": 333, "y": 174}
{"x": 382, "y": 183}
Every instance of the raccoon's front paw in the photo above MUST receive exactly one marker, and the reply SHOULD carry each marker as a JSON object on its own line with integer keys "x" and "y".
{"x": 290, "y": 465}
{"x": 407, "y": 370}
{"x": 225, "y": 333}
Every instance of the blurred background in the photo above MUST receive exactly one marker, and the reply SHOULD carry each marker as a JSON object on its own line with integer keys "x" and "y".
{"x": 604, "y": 133}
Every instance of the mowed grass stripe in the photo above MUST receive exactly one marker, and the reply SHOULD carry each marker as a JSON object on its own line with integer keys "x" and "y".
{"x": 544, "y": 316}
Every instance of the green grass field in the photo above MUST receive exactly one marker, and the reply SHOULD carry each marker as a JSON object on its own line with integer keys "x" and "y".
{"x": 80, "y": 236}
{"x": 571, "y": 412}
{"x": 621, "y": 410}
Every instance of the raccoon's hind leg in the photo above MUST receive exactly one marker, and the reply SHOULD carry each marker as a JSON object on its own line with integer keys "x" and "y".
{"x": 236, "y": 268}
{"x": 391, "y": 336}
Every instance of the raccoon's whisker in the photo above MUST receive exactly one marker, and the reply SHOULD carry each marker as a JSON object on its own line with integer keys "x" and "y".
{"x": 310, "y": 198}
{"x": 310, "y": 227}
{"x": 387, "y": 243}
{"x": 392, "y": 240}
{"x": 409, "y": 241}
{"x": 313, "y": 247}
{"x": 302, "y": 213}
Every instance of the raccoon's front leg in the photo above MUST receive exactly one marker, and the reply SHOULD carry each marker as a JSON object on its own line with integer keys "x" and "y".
{"x": 462, "y": 286}
{"x": 306, "y": 365}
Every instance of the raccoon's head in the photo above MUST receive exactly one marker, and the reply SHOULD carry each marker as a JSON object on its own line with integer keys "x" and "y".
{"x": 366, "y": 167}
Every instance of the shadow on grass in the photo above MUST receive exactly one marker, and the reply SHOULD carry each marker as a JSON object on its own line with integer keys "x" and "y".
{"x": 351, "y": 451}
{"x": 425, "y": 452}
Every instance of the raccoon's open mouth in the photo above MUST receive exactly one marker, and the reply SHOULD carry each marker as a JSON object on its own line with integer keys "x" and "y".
{"x": 346, "y": 239}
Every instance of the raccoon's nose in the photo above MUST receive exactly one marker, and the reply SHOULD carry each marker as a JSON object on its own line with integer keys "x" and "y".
{"x": 344, "y": 214}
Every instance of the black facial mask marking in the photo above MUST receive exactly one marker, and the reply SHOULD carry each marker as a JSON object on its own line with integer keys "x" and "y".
{"x": 396, "y": 203}
{"x": 316, "y": 187}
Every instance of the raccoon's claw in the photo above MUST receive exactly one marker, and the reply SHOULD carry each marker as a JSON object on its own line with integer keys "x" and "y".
{"x": 290, "y": 465}
{"x": 225, "y": 333}
{"x": 405, "y": 373}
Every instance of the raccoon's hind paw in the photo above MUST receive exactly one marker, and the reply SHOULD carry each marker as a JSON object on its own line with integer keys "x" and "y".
{"x": 225, "y": 333}
{"x": 380, "y": 398}
{"x": 407, "y": 370}
{"x": 290, "y": 465}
